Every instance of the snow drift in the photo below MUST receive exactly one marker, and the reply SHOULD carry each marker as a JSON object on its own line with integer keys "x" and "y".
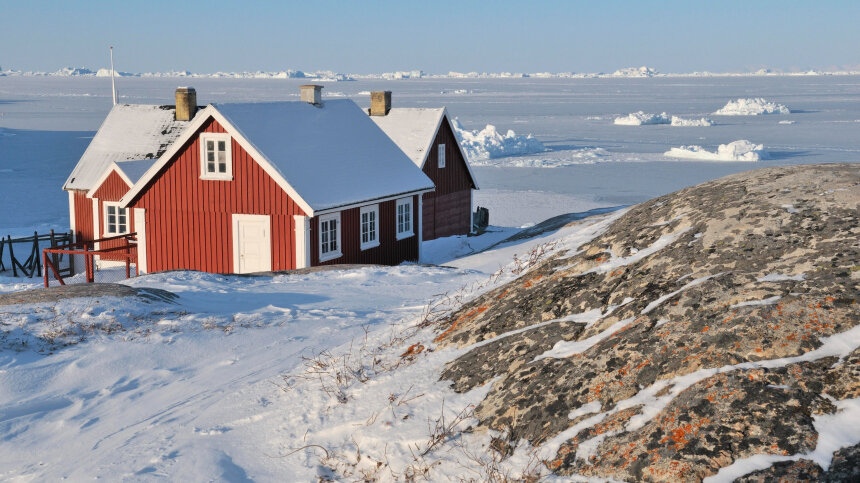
{"x": 741, "y": 150}
{"x": 752, "y": 106}
{"x": 489, "y": 143}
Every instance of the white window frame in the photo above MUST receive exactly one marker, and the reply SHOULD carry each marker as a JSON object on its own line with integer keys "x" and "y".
{"x": 338, "y": 252}
{"x": 215, "y": 137}
{"x": 106, "y": 225}
{"x": 405, "y": 233}
{"x": 368, "y": 210}
{"x": 440, "y": 155}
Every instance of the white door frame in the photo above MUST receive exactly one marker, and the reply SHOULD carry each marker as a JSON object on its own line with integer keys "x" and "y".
{"x": 140, "y": 229}
{"x": 303, "y": 241}
{"x": 237, "y": 218}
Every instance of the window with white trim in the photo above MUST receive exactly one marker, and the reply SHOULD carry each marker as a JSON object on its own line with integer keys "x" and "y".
{"x": 216, "y": 156}
{"x": 369, "y": 220}
{"x": 441, "y": 155}
{"x": 329, "y": 237}
{"x": 116, "y": 219}
{"x": 404, "y": 218}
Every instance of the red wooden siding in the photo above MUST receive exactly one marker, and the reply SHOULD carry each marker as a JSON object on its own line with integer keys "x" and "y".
{"x": 447, "y": 211}
{"x": 83, "y": 216}
{"x": 188, "y": 220}
{"x": 390, "y": 251}
{"x": 112, "y": 189}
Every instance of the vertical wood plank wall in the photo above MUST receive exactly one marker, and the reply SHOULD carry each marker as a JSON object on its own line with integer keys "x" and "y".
{"x": 83, "y": 216}
{"x": 112, "y": 189}
{"x": 390, "y": 251}
{"x": 447, "y": 211}
{"x": 188, "y": 220}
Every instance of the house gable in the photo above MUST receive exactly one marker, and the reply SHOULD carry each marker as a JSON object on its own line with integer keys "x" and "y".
{"x": 188, "y": 219}
{"x": 111, "y": 187}
{"x": 456, "y": 175}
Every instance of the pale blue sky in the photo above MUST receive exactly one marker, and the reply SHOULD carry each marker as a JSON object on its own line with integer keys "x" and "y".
{"x": 437, "y": 36}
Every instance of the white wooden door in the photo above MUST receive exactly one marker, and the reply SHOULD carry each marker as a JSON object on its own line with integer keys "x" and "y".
{"x": 252, "y": 243}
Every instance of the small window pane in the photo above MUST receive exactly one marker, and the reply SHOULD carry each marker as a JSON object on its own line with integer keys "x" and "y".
{"x": 210, "y": 167}
{"x": 441, "y": 155}
{"x": 210, "y": 146}
{"x": 222, "y": 146}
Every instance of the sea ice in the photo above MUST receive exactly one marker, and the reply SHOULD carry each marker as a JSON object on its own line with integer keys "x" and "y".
{"x": 489, "y": 143}
{"x": 741, "y": 150}
{"x": 752, "y": 106}
{"x": 681, "y": 122}
{"x": 641, "y": 118}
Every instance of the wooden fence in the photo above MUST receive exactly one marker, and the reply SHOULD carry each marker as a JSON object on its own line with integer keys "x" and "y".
{"x": 125, "y": 252}
{"x": 32, "y": 265}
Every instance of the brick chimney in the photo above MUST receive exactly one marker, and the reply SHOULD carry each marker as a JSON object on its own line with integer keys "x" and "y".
{"x": 186, "y": 103}
{"x": 380, "y": 103}
{"x": 312, "y": 94}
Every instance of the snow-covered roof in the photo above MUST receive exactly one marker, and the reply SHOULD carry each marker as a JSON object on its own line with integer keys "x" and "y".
{"x": 325, "y": 156}
{"x": 130, "y": 171}
{"x": 129, "y": 132}
{"x": 134, "y": 169}
{"x": 413, "y": 129}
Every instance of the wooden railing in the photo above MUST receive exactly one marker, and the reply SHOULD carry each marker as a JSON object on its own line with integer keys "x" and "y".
{"x": 127, "y": 252}
{"x": 32, "y": 265}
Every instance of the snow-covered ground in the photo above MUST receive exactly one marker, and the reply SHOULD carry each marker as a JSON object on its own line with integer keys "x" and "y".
{"x": 193, "y": 389}
{"x": 213, "y": 386}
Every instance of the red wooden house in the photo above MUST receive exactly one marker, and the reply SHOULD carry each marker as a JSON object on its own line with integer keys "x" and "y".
{"x": 269, "y": 186}
{"x": 129, "y": 132}
{"x": 426, "y": 136}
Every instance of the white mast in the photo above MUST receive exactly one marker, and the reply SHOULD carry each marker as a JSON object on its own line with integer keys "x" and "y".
{"x": 112, "y": 81}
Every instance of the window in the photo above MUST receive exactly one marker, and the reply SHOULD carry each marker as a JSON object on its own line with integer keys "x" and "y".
{"x": 441, "y": 155}
{"x": 116, "y": 219}
{"x": 215, "y": 156}
{"x": 404, "y": 218}
{"x": 369, "y": 218}
{"x": 329, "y": 237}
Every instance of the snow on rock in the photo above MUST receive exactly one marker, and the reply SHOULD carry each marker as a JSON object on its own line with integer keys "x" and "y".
{"x": 489, "y": 143}
{"x": 752, "y": 106}
{"x": 641, "y": 118}
{"x": 741, "y": 150}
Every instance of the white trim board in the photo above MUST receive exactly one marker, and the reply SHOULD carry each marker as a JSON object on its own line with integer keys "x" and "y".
{"x": 72, "y": 222}
{"x": 140, "y": 229}
{"x": 303, "y": 241}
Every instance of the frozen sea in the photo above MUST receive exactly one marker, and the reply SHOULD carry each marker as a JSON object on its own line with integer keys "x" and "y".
{"x": 47, "y": 122}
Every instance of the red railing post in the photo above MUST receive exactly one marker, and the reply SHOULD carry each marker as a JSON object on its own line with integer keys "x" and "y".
{"x": 127, "y": 259}
{"x": 89, "y": 260}
{"x": 45, "y": 258}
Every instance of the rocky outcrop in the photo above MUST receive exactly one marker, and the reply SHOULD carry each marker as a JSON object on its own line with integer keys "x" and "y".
{"x": 691, "y": 334}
